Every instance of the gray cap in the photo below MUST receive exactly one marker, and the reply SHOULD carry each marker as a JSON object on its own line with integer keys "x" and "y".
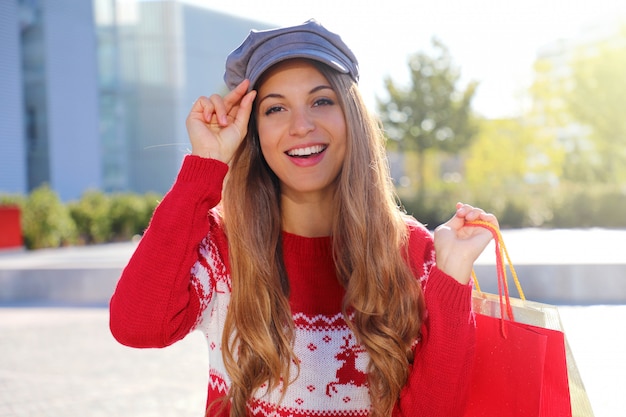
{"x": 264, "y": 48}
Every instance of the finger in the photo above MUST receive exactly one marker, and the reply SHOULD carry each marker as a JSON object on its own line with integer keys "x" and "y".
{"x": 490, "y": 218}
{"x": 216, "y": 110}
{"x": 462, "y": 210}
{"x": 234, "y": 97}
{"x": 467, "y": 213}
{"x": 204, "y": 109}
{"x": 470, "y": 213}
{"x": 198, "y": 109}
{"x": 473, "y": 214}
{"x": 243, "y": 112}
{"x": 199, "y": 105}
{"x": 226, "y": 107}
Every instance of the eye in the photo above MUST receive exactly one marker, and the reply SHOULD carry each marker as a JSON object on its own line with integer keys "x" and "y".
{"x": 323, "y": 102}
{"x": 273, "y": 109}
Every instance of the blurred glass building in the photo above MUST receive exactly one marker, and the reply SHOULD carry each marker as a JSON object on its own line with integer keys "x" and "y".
{"x": 95, "y": 93}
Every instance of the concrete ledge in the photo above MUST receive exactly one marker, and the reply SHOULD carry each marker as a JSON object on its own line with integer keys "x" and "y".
{"x": 77, "y": 287}
{"x": 73, "y": 276}
{"x": 553, "y": 284}
{"x": 555, "y": 266}
{"x": 562, "y": 284}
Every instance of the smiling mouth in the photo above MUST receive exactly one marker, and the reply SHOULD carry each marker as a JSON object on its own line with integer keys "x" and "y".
{"x": 307, "y": 152}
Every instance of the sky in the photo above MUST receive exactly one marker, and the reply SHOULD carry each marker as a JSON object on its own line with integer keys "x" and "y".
{"x": 494, "y": 42}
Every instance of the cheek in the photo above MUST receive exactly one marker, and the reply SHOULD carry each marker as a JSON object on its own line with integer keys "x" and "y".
{"x": 269, "y": 138}
{"x": 266, "y": 136}
{"x": 339, "y": 127}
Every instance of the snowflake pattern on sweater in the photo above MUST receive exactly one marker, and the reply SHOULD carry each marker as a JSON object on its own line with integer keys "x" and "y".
{"x": 339, "y": 387}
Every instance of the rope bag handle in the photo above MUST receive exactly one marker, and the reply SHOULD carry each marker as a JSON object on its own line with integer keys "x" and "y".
{"x": 501, "y": 255}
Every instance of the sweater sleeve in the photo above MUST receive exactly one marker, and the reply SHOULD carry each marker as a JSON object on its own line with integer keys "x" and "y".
{"x": 439, "y": 379}
{"x": 155, "y": 303}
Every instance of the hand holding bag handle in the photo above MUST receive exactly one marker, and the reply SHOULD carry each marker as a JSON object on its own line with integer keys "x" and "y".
{"x": 501, "y": 254}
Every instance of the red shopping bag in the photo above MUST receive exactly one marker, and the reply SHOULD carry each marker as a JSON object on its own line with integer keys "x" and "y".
{"x": 519, "y": 369}
{"x": 521, "y": 374}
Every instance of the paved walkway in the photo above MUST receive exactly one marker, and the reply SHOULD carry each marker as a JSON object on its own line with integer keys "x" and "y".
{"x": 58, "y": 362}
{"x": 65, "y": 363}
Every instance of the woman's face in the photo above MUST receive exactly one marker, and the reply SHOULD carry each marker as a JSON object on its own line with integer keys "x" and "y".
{"x": 301, "y": 127}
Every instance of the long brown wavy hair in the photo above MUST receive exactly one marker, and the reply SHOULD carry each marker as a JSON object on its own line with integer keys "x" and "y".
{"x": 383, "y": 304}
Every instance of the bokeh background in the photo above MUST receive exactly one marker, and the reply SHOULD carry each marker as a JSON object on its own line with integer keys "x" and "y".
{"x": 516, "y": 107}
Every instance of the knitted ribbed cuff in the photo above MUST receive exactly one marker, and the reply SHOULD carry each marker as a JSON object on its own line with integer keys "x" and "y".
{"x": 197, "y": 169}
{"x": 450, "y": 293}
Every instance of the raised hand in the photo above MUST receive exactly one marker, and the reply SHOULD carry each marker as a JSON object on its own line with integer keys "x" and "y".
{"x": 216, "y": 125}
{"x": 457, "y": 245}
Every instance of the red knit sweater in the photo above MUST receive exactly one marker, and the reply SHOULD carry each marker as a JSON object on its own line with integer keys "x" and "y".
{"x": 178, "y": 281}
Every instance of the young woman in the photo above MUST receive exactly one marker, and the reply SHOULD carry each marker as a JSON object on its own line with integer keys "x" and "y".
{"x": 281, "y": 241}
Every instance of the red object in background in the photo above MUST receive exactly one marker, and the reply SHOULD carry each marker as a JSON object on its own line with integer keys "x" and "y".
{"x": 10, "y": 227}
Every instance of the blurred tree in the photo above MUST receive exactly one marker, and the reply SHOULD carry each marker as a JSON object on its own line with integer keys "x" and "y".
{"x": 578, "y": 94}
{"x": 508, "y": 153}
{"x": 597, "y": 99}
{"x": 496, "y": 161}
{"x": 547, "y": 92}
{"x": 552, "y": 117}
{"x": 431, "y": 113}
{"x": 508, "y": 169}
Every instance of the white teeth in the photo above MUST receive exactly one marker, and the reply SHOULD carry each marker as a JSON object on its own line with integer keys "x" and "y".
{"x": 309, "y": 150}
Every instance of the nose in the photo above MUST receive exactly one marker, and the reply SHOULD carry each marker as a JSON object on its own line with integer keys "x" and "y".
{"x": 301, "y": 123}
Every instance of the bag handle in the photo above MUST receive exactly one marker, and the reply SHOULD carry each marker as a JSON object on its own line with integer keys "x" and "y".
{"x": 501, "y": 255}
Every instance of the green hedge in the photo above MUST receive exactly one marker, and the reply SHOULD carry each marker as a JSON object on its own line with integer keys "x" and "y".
{"x": 592, "y": 206}
{"x": 95, "y": 218}
{"x": 45, "y": 220}
{"x": 98, "y": 217}
{"x": 562, "y": 207}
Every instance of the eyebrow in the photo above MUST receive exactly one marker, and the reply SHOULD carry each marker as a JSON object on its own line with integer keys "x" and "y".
{"x": 313, "y": 91}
